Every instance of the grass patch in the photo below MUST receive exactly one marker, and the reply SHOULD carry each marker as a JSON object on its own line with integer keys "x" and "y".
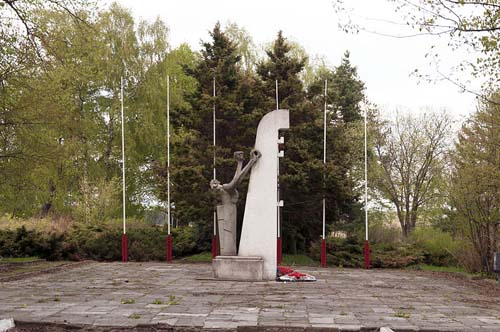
{"x": 298, "y": 260}
{"x": 402, "y": 315}
{"x": 4, "y": 260}
{"x": 172, "y": 300}
{"x": 204, "y": 257}
{"x": 127, "y": 301}
{"x": 453, "y": 269}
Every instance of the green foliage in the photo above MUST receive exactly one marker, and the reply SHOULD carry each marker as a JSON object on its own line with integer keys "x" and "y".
{"x": 381, "y": 234}
{"x": 341, "y": 252}
{"x": 5, "y": 260}
{"x": 438, "y": 246}
{"x": 98, "y": 242}
{"x": 60, "y": 114}
{"x": 474, "y": 184}
{"x": 146, "y": 242}
{"x": 204, "y": 257}
{"x": 101, "y": 242}
{"x": 410, "y": 163}
{"x": 427, "y": 246}
{"x": 433, "y": 268}
{"x": 300, "y": 260}
{"x": 29, "y": 243}
{"x": 401, "y": 314}
{"x": 244, "y": 45}
{"x": 403, "y": 255}
{"x": 184, "y": 241}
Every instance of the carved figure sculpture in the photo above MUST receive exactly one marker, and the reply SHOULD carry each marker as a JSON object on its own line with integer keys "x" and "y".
{"x": 228, "y": 197}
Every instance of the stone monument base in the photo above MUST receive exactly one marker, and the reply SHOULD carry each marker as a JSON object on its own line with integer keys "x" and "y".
{"x": 248, "y": 268}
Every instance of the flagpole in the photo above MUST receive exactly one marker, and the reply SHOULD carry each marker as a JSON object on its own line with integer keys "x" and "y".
{"x": 367, "y": 243}
{"x": 323, "y": 237}
{"x": 169, "y": 236}
{"x": 279, "y": 241}
{"x": 214, "y": 236}
{"x": 124, "y": 236}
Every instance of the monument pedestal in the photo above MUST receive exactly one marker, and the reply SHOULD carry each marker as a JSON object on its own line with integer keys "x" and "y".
{"x": 248, "y": 268}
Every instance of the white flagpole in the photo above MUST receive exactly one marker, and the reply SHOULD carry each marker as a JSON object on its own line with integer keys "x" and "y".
{"x": 214, "y": 171}
{"x": 123, "y": 157}
{"x": 366, "y": 183}
{"x": 324, "y": 160}
{"x": 323, "y": 235}
{"x": 278, "y": 198}
{"x": 367, "y": 243}
{"x": 168, "y": 155}
{"x": 124, "y": 236}
{"x": 214, "y": 236}
{"x": 169, "y": 219}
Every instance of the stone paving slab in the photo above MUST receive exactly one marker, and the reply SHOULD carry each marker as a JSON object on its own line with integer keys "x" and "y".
{"x": 118, "y": 294}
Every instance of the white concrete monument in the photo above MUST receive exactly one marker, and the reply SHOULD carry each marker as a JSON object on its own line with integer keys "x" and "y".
{"x": 257, "y": 251}
{"x": 260, "y": 222}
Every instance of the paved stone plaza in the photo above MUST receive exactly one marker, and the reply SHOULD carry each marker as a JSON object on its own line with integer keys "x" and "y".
{"x": 117, "y": 294}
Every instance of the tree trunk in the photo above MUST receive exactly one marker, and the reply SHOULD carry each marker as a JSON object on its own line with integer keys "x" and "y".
{"x": 48, "y": 205}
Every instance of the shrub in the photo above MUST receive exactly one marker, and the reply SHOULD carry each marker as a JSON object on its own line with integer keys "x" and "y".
{"x": 28, "y": 243}
{"x": 380, "y": 233}
{"x": 468, "y": 257}
{"x": 147, "y": 243}
{"x": 349, "y": 252}
{"x": 97, "y": 242}
{"x": 438, "y": 247}
{"x": 346, "y": 252}
{"x": 395, "y": 256}
{"x": 184, "y": 241}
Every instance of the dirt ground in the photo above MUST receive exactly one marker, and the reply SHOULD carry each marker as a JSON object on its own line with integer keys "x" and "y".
{"x": 33, "y": 327}
{"x": 18, "y": 271}
{"x": 48, "y": 327}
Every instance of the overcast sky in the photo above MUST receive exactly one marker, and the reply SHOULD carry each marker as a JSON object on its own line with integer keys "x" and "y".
{"x": 385, "y": 64}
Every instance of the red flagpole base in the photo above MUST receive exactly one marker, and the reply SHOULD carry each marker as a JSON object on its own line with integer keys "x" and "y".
{"x": 279, "y": 252}
{"x": 169, "y": 247}
{"x": 214, "y": 246}
{"x": 367, "y": 255}
{"x": 323, "y": 253}
{"x": 124, "y": 248}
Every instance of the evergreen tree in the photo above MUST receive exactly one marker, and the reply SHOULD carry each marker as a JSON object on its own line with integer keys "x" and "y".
{"x": 281, "y": 66}
{"x": 220, "y": 62}
{"x": 345, "y": 151}
{"x": 304, "y": 179}
{"x": 300, "y": 171}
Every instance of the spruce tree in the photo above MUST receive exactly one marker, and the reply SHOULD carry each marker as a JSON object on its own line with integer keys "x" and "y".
{"x": 300, "y": 170}
{"x": 219, "y": 62}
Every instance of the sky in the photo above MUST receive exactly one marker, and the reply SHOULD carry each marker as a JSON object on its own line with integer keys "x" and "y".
{"x": 384, "y": 63}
